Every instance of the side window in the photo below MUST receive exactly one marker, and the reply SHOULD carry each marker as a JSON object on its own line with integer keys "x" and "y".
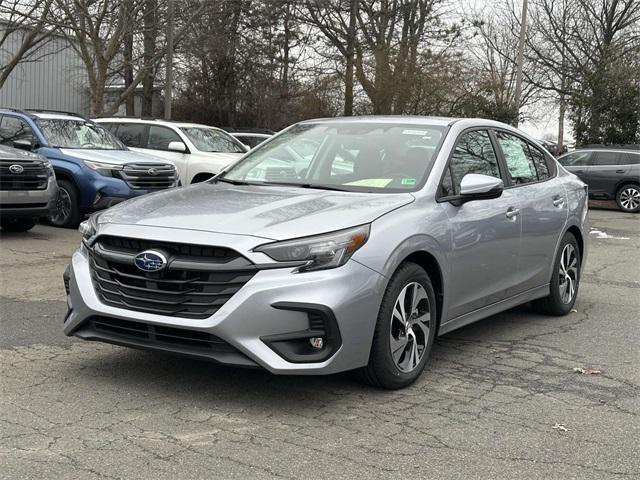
{"x": 633, "y": 158}
{"x": 540, "y": 162}
{"x": 112, "y": 127}
{"x": 609, "y": 158}
{"x": 161, "y": 137}
{"x": 518, "y": 158}
{"x": 575, "y": 159}
{"x": 132, "y": 134}
{"x": 446, "y": 188}
{"x": 474, "y": 153}
{"x": 14, "y": 128}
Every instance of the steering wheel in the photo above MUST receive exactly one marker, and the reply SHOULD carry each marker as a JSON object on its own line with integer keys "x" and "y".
{"x": 86, "y": 145}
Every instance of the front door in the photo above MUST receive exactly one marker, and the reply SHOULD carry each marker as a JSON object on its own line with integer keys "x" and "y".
{"x": 485, "y": 234}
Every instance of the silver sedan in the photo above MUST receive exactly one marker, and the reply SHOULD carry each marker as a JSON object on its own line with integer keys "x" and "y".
{"x": 353, "y": 254}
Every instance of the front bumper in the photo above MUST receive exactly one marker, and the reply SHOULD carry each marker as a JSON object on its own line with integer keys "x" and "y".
{"x": 272, "y": 306}
{"x": 29, "y": 203}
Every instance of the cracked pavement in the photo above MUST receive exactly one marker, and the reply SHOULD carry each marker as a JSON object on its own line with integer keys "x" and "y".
{"x": 484, "y": 408}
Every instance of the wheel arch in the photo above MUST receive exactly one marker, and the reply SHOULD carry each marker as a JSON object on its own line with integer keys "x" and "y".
{"x": 575, "y": 231}
{"x": 431, "y": 265}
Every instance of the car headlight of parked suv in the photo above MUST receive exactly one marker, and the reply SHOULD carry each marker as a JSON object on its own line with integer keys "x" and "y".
{"x": 105, "y": 169}
{"x": 320, "y": 252}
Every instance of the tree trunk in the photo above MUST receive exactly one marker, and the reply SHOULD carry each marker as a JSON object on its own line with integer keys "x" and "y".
{"x": 348, "y": 73}
{"x": 149, "y": 46}
{"x": 563, "y": 107}
{"x": 127, "y": 55}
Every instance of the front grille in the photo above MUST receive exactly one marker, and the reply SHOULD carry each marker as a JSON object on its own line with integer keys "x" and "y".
{"x": 159, "y": 335}
{"x": 196, "y": 283}
{"x": 149, "y": 176}
{"x": 33, "y": 177}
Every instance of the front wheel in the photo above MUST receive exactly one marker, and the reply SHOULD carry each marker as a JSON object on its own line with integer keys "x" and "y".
{"x": 628, "y": 198}
{"x": 405, "y": 330}
{"x": 67, "y": 211}
{"x": 565, "y": 279}
{"x": 18, "y": 224}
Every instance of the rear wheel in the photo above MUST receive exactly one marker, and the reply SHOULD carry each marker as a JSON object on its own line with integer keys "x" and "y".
{"x": 628, "y": 198}
{"x": 565, "y": 279}
{"x": 67, "y": 211}
{"x": 405, "y": 330}
{"x": 18, "y": 224}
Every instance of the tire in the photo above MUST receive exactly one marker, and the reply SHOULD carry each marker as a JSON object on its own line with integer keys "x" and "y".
{"x": 18, "y": 224}
{"x": 383, "y": 370}
{"x": 556, "y": 303}
{"x": 628, "y": 198}
{"x": 67, "y": 214}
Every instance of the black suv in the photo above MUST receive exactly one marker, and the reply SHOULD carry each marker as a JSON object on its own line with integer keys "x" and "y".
{"x": 612, "y": 172}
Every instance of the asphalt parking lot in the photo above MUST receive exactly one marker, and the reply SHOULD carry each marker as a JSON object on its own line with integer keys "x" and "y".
{"x": 500, "y": 398}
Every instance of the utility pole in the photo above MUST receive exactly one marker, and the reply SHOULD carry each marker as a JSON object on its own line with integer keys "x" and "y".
{"x": 519, "y": 61}
{"x": 168, "y": 83}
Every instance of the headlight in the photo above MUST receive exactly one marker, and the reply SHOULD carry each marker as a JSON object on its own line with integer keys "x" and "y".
{"x": 329, "y": 250}
{"x": 105, "y": 169}
{"x": 88, "y": 227}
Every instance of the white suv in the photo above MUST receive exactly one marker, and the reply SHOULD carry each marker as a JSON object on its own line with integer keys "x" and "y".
{"x": 198, "y": 151}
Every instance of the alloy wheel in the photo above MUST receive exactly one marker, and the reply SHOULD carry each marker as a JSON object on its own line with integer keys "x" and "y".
{"x": 410, "y": 323}
{"x": 63, "y": 207}
{"x": 630, "y": 198}
{"x": 568, "y": 273}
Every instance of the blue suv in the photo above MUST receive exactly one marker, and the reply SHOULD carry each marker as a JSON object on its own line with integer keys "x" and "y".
{"x": 93, "y": 169}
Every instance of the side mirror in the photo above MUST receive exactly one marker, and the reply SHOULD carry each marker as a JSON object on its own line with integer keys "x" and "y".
{"x": 24, "y": 144}
{"x": 177, "y": 147}
{"x": 475, "y": 186}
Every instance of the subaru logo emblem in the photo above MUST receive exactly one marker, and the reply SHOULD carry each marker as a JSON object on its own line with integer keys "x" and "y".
{"x": 150, "y": 261}
{"x": 16, "y": 168}
{"x": 152, "y": 171}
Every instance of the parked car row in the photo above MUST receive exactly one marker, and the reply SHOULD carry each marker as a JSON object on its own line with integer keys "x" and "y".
{"x": 93, "y": 165}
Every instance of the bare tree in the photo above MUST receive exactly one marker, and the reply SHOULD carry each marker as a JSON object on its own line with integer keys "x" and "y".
{"x": 579, "y": 45}
{"x": 24, "y": 30}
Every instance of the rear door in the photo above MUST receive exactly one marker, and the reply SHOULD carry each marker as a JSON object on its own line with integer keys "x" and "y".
{"x": 543, "y": 203}
{"x": 607, "y": 170}
{"x": 485, "y": 234}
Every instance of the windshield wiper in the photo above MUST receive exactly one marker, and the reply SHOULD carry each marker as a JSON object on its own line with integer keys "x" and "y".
{"x": 320, "y": 187}
{"x": 232, "y": 182}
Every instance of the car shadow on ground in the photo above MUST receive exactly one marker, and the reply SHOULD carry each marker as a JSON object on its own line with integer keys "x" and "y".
{"x": 149, "y": 373}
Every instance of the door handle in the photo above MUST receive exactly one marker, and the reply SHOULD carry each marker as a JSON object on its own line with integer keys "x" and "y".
{"x": 512, "y": 212}
{"x": 620, "y": 171}
{"x": 558, "y": 201}
{"x": 579, "y": 171}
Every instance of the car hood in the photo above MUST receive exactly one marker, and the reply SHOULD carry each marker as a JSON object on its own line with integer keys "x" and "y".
{"x": 117, "y": 157}
{"x": 271, "y": 212}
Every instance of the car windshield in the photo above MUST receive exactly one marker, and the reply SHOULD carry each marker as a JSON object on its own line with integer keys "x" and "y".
{"x": 212, "y": 140}
{"x": 343, "y": 156}
{"x": 68, "y": 133}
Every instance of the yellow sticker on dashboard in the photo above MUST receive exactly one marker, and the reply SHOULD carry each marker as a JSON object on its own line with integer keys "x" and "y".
{"x": 371, "y": 182}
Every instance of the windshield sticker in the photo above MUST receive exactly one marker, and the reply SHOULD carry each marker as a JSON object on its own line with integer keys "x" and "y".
{"x": 415, "y": 132}
{"x": 408, "y": 181}
{"x": 371, "y": 182}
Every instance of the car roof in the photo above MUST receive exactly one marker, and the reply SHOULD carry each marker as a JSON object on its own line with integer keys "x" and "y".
{"x": 248, "y": 134}
{"x": 432, "y": 121}
{"x": 56, "y": 116}
{"x": 153, "y": 121}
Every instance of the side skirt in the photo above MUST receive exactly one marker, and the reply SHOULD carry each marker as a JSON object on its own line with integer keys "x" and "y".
{"x": 501, "y": 306}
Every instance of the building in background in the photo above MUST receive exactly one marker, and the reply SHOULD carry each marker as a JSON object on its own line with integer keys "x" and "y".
{"x": 53, "y": 78}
